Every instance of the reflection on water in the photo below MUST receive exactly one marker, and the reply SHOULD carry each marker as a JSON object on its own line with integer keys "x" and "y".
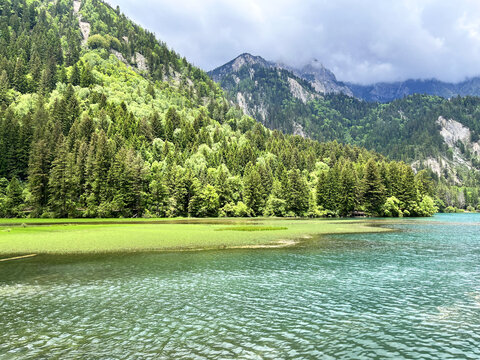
{"x": 412, "y": 294}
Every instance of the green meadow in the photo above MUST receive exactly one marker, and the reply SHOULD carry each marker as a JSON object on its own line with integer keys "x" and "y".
{"x": 67, "y": 236}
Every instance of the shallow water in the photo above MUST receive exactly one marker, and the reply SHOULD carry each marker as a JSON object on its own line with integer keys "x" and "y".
{"x": 412, "y": 294}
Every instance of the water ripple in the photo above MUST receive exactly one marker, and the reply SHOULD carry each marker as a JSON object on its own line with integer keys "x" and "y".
{"x": 412, "y": 295}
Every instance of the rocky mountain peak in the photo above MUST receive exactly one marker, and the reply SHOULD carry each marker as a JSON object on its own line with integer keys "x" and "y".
{"x": 236, "y": 64}
{"x": 321, "y": 78}
{"x": 316, "y": 70}
{"x": 249, "y": 59}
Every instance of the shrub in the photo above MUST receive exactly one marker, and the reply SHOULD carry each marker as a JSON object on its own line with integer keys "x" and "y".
{"x": 242, "y": 210}
{"x": 97, "y": 41}
{"x": 391, "y": 208}
{"x": 275, "y": 207}
{"x": 427, "y": 207}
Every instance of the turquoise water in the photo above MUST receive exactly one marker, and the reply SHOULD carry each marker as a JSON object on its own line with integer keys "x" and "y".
{"x": 413, "y": 294}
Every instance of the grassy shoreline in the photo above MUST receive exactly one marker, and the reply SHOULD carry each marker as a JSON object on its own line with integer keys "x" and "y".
{"x": 84, "y": 236}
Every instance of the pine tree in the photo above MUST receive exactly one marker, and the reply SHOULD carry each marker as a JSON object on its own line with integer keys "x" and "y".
{"x": 86, "y": 76}
{"x": 373, "y": 189}
{"x": 25, "y": 142}
{"x": 322, "y": 190}
{"x": 38, "y": 176}
{"x": 298, "y": 193}
{"x": 14, "y": 198}
{"x": 157, "y": 126}
{"x": 158, "y": 191}
{"x": 184, "y": 190}
{"x": 266, "y": 177}
{"x": 348, "y": 194}
{"x": 424, "y": 184}
{"x": 73, "y": 52}
{"x": 9, "y": 145}
{"x": 252, "y": 189}
{"x": 62, "y": 75}
{"x": 333, "y": 188}
{"x": 408, "y": 192}
{"x": 75, "y": 76}
{"x": 151, "y": 90}
{"x": 172, "y": 121}
{"x": 4, "y": 87}
{"x": 276, "y": 205}
{"x": 135, "y": 178}
{"x": 222, "y": 186}
{"x": 71, "y": 109}
{"x": 40, "y": 119}
{"x": 97, "y": 171}
{"x": 394, "y": 180}
{"x": 19, "y": 76}
{"x": 51, "y": 74}
{"x": 58, "y": 182}
{"x": 43, "y": 86}
{"x": 35, "y": 71}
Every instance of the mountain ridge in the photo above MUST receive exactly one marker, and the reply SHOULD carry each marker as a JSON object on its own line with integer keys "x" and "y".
{"x": 389, "y": 91}
{"x": 324, "y": 82}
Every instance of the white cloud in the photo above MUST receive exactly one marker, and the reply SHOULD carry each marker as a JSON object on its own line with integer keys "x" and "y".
{"x": 361, "y": 41}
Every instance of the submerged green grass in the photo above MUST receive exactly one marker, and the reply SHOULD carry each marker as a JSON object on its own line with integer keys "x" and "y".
{"x": 162, "y": 235}
{"x": 252, "y": 228}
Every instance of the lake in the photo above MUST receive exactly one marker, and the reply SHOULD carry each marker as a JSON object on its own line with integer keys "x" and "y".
{"x": 412, "y": 294}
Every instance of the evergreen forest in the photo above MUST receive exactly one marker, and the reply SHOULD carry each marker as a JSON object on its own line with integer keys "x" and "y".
{"x": 100, "y": 119}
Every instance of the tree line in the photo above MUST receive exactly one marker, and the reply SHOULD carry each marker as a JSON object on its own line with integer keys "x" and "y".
{"x": 170, "y": 166}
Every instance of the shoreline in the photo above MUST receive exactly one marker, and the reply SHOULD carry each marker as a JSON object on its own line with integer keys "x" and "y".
{"x": 107, "y": 238}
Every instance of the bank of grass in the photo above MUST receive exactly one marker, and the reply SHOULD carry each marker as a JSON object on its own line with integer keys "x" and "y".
{"x": 47, "y": 236}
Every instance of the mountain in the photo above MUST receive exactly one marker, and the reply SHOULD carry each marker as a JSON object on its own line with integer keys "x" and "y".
{"x": 386, "y": 92}
{"x": 417, "y": 129}
{"x": 324, "y": 81}
{"x": 266, "y": 91}
{"x": 98, "y": 118}
{"x": 236, "y": 64}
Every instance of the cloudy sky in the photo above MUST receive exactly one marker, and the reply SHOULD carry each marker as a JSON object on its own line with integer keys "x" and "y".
{"x": 361, "y": 41}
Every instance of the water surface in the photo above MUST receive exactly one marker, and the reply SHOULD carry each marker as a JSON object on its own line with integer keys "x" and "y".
{"x": 413, "y": 294}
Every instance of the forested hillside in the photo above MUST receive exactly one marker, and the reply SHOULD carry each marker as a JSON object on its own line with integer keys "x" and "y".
{"x": 405, "y": 129}
{"x": 99, "y": 119}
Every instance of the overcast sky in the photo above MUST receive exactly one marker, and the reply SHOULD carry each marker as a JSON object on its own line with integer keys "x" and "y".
{"x": 362, "y": 41}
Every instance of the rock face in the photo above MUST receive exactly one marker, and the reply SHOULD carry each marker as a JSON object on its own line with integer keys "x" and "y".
{"x": 458, "y": 136}
{"x": 321, "y": 79}
{"x": 84, "y": 26}
{"x": 141, "y": 62}
{"x": 119, "y": 56}
{"x": 299, "y": 92}
{"x": 452, "y": 132}
{"x": 298, "y": 130}
{"x": 458, "y": 139}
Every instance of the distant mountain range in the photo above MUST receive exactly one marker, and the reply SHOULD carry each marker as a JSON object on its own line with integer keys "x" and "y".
{"x": 324, "y": 82}
{"x": 386, "y": 92}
